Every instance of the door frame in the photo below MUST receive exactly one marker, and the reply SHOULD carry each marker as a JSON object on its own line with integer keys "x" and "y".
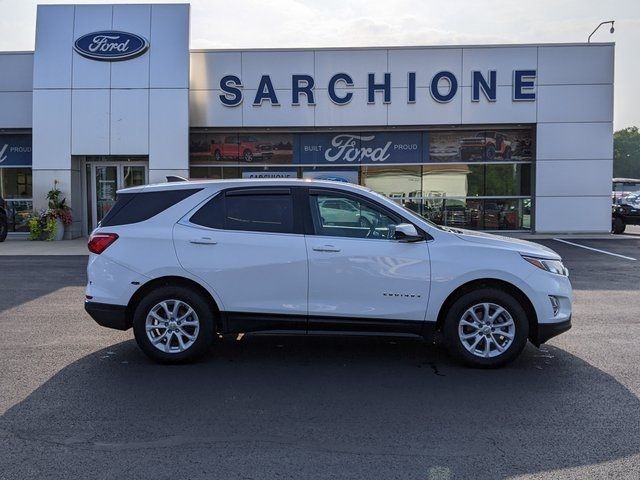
{"x": 91, "y": 188}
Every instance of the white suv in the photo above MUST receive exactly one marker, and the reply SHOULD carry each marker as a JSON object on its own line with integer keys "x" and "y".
{"x": 184, "y": 262}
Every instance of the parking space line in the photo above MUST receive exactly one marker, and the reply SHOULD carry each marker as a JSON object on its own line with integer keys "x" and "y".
{"x": 595, "y": 249}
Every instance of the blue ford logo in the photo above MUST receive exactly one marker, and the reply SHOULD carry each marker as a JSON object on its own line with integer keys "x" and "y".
{"x": 111, "y": 45}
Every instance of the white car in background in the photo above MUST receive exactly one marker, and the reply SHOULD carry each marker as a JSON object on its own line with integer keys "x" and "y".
{"x": 182, "y": 262}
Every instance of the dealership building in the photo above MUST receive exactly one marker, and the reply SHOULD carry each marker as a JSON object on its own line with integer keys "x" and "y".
{"x": 493, "y": 137}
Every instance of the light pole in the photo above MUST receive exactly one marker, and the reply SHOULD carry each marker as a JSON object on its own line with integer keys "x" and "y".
{"x": 596, "y": 29}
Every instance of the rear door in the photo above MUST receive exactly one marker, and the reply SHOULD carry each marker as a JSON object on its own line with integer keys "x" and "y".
{"x": 360, "y": 277}
{"x": 248, "y": 246}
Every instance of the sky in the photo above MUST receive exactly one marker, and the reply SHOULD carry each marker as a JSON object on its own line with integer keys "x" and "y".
{"x": 348, "y": 23}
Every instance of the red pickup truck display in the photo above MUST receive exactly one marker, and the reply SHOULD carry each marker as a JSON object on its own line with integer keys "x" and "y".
{"x": 245, "y": 147}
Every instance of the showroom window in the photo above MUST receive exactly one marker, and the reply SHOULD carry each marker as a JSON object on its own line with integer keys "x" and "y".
{"x": 17, "y": 190}
{"x": 15, "y": 178}
{"x": 479, "y": 179}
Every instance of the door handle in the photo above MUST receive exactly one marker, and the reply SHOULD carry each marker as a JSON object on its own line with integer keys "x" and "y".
{"x": 326, "y": 248}
{"x": 203, "y": 241}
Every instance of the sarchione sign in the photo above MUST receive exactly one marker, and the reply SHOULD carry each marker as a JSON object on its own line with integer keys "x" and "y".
{"x": 111, "y": 45}
{"x": 443, "y": 87}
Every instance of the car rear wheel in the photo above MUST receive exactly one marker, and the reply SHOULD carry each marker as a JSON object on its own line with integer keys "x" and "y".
{"x": 618, "y": 226}
{"x": 173, "y": 325}
{"x": 247, "y": 156}
{"x": 486, "y": 328}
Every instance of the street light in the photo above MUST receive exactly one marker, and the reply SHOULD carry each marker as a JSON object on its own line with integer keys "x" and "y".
{"x": 596, "y": 29}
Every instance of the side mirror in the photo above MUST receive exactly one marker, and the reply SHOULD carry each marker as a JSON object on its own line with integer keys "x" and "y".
{"x": 406, "y": 232}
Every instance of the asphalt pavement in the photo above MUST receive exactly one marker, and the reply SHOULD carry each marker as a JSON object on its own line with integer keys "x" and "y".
{"x": 80, "y": 401}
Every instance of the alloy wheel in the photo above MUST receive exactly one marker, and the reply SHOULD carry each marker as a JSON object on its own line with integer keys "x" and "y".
{"x": 172, "y": 326}
{"x": 486, "y": 330}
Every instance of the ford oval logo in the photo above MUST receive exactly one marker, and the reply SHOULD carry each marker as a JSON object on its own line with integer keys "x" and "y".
{"x": 110, "y": 46}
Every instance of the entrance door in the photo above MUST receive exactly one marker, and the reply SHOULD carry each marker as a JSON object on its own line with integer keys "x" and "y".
{"x": 106, "y": 179}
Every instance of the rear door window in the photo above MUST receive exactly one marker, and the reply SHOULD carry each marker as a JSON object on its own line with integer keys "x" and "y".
{"x": 261, "y": 210}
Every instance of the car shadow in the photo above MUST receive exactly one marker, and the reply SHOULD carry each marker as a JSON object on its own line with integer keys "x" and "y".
{"x": 267, "y": 406}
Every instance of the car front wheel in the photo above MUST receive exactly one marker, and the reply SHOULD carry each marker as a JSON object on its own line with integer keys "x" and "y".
{"x": 173, "y": 325}
{"x": 486, "y": 328}
{"x": 618, "y": 226}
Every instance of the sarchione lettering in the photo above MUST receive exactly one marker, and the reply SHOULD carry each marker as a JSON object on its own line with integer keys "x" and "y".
{"x": 443, "y": 87}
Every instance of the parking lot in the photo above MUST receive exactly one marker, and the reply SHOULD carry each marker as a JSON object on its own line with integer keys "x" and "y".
{"x": 80, "y": 401}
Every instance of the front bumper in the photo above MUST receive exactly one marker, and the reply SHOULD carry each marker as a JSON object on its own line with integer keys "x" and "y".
{"x": 108, "y": 315}
{"x": 547, "y": 331}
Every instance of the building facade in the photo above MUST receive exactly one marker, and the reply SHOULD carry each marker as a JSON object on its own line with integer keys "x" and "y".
{"x": 501, "y": 137}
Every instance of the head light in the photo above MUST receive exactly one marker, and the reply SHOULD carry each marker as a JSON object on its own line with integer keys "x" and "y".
{"x": 553, "y": 266}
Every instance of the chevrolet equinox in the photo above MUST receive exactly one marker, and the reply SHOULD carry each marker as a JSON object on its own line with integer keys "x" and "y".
{"x": 183, "y": 262}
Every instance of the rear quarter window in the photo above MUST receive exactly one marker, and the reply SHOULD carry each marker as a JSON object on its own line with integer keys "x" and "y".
{"x": 141, "y": 206}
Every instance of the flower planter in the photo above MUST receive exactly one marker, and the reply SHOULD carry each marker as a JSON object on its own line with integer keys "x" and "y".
{"x": 59, "y": 230}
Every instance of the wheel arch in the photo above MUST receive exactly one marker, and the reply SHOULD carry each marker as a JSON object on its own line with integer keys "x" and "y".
{"x": 172, "y": 280}
{"x": 510, "y": 288}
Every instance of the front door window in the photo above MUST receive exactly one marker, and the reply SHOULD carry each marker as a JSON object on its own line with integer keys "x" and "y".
{"x": 337, "y": 215}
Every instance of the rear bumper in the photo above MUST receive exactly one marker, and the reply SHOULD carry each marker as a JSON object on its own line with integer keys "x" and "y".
{"x": 547, "y": 331}
{"x": 108, "y": 315}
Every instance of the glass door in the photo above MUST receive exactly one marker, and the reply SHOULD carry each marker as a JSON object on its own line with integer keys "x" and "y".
{"x": 106, "y": 183}
{"x": 105, "y": 180}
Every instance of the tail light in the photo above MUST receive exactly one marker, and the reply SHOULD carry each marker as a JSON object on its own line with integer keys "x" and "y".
{"x": 98, "y": 242}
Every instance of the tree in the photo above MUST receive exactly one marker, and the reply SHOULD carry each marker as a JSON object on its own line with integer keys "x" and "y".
{"x": 626, "y": 153}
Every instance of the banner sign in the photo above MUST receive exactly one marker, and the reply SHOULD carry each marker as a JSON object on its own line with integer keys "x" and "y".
{"x": 374, "y": 148}
{"x": 15, "y": 151}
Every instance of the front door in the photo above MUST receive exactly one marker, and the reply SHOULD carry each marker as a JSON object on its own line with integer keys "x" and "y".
{"x": 106, "y": 179}
{"x": 360, "y": 275}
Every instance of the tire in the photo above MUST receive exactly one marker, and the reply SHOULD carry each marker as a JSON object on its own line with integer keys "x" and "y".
{"x": 247, "y": 156}
{"x": 217, "y": 156}
{"x": 454, "y": 329}
{"x": 618, "y": 226}
{"x": 4, "y": 228}
{"x": 177, "y": 336}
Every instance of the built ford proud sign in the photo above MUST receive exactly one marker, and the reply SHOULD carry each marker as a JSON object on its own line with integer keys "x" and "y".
{"x": 111, "y": 46}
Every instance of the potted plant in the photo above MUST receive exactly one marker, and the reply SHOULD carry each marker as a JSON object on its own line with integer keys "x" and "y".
{"x": 58, "y": 210}
{"x": 49, "y": 224}
{"x": 42, "y": 226}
